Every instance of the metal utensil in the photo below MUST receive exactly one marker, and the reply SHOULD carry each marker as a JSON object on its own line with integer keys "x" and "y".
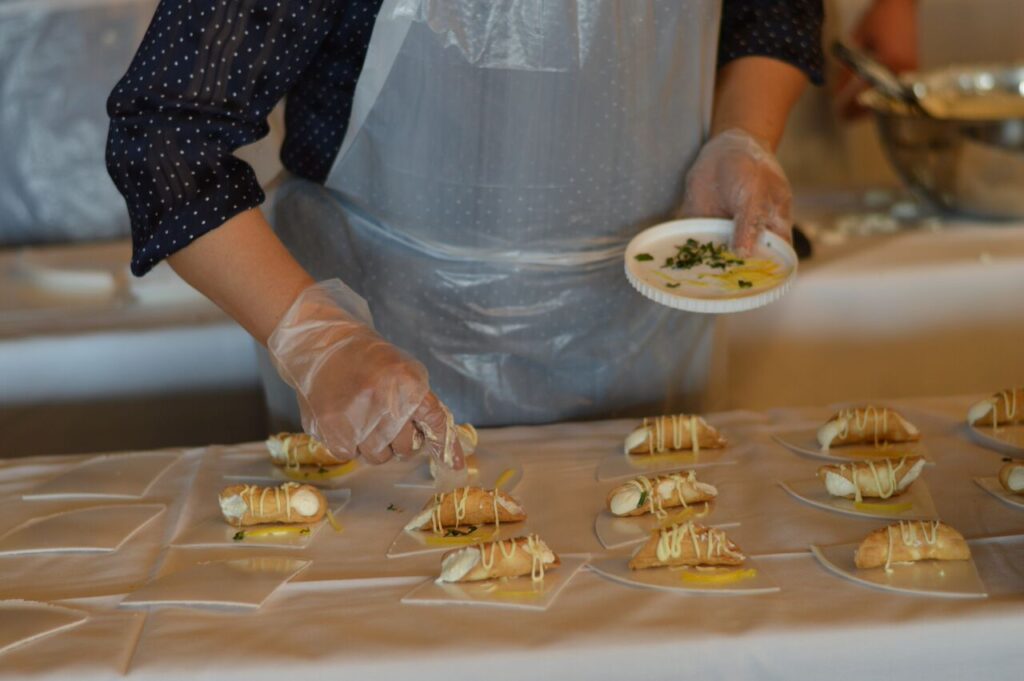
{"x": 878, "y": 76}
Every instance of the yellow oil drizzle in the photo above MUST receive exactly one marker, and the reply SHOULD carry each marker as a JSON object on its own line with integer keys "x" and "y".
{"x": 304, "y": 474}
{"x": 698, "y": 510}
{"x": 335, "y": 525}
{"x": 883, "y": 508}
{"x": 272, "y": 531}
{"x": 503, "y": 479}
{"x": 474, "y": 537}
{"x": 718, "y": 576}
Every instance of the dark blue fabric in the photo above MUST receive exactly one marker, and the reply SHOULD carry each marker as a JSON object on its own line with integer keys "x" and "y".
{"x": 209, "y": 71}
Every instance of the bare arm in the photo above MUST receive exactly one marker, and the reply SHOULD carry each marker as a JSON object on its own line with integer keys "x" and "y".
{"x": 244, "y": 268}
{"x": 756, "y": 94}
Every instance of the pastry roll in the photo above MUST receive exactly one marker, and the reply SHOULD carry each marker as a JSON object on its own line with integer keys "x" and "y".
{"x": 467, "y": 506}
{"x": 244, "y": 505}
{"x": 874, "y": 479}
{"x": 686, "y": 544}
{"x": 866, "y": 425}
{"x": 674, "y": 433}
{"x": 1011, "y": 477}
{"x": 299, "y": 449}
{"x": 495, "y": 559}
{"x": 1003, "y": 408}
{"x": 644, "y": 494}
{"x": 911, "y": 540}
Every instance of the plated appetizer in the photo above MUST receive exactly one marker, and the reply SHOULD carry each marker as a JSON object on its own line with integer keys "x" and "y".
{"x": 880, "y": 479}
{"x": 866, "y": 425}
{"x": 504, "y": 558}
{"x": 303, "y": 458}
{"x": 687, "y": 544}
{"x": 654, "y": 494}
{"x": 1011, "y": 477}
{"x": 909, "y": 541}
{"x": 1003, "y": 408}
{"x": 467, "y": 507}
{"x": 250, "y": 505}
{"x": 673, "y": 433}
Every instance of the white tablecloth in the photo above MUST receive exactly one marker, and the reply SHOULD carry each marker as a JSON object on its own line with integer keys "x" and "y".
{"x": 341, "y": 618}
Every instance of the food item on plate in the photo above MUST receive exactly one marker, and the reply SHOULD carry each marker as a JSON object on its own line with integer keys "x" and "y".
{"x": 467, "y": 506}
{"x": 873, "y": 479}
{"x": 1004, "y": 408}
{"x": 1011, "y": 477}
{"x": 496, "y": 559}
{"x": 673, "y": 433}
{"x": 299, "y": 449}
{"x": 866, "y": 425}
{"x": 909, "y": 541}
{"x": 687, "y": 544}
{"x": 654, "y": 494}
{"x": 246, "y": 505}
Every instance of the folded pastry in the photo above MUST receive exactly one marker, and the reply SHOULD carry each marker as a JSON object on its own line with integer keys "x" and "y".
{"x": 495, "y": 559}
{"x": 911, "y": 540}
{"x": 1003, "y": 408}
{"x": 467, "y": 506}
{"x": 1011, "y": 477}
{"x": 643, "y": 494}
{"x": 686, "y": 544}
{"x": 245, "y": 505}
{"x": 674, "y": 433}
{"x": 870, "y": 425}
{"x": 299, "y": 449}
{"x": 874, "y": 479}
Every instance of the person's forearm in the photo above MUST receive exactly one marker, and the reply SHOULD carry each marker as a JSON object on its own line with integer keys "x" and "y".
{"x": 756, "y": 94}
{"x": 245, "y": 269}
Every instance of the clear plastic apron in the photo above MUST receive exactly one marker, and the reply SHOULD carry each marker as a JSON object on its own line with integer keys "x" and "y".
{"x": 499, "y": 157}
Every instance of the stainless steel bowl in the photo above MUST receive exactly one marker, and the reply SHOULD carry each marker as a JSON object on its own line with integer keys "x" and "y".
{"x": 963, "y": 161}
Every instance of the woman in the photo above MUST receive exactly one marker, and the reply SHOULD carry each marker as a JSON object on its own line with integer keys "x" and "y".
{"x": 472, "y": 170}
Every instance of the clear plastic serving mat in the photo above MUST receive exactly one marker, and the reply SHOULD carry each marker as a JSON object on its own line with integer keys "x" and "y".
{"x": 1008, "y": 439}
{"x": 412, "y": 542}
{"x": 115, "y": 476}
{"x": 941, "y": 579}
{"x": 805, "y": 443}
{"x": 521, "y": 593}
{"x": 22, "y": 622}
{"x": 489, "y": 467}
{"x": 244, "y": 583}
{"x": 915, "y": 503}
{"x": 992, "y": 486}
{"x": 746, "y": 580}
{"x": 620, "y": 465}
{"x": 264, "y": 470}
{"x": 211, "y": 530}
{"x": 93, "y": 529}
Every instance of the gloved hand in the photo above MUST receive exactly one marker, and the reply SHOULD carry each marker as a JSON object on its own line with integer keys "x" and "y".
{"x": 736, "y": 176}
{"x": 358, "y": 394}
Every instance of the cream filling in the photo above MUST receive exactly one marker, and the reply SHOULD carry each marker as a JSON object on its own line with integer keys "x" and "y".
{"x": 839, "y": 486}
{"x": 305, "y": 502}
{"x": 277, "y": 448}
{"x": 980, "y": 410}
{"x": 507, "y": 504}
{"x": 1015, "y": 480}
{"x": 233, "y": 507}
{"x": 457, "y": 564}
{"x": 421, "y": 518}
{"x": 626, "y": 500}
{"x": 637, "y": 438}
{"x": 830, "y": 431}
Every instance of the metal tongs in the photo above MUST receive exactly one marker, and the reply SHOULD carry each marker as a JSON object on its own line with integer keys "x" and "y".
{"x": 880, "y": 77}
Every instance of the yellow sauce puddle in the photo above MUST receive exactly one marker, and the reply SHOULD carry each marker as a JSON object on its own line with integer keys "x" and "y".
{"x": 503, "y": 479}
{"x": 883, "y": 508}
{"x": 335, "y": 525}
{"x": 305, "y": 473}
{"x": 723, "y": 577}
{"x": 270, "y": 531}
{"x": 465, "y": 540}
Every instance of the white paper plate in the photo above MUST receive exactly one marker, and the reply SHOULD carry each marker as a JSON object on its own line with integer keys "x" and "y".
{"x": 660, "y": 241}
{"x": 672, "y": 579}
{"x": 812, "y": 491}
{"x": 114, "y": 476}
{"x": 417, "y": 541}
{"x": 244, "y": 583}
{"x": 614, "y": 531}
{"x": 993, "y": 487}
{"x": 520, "y": 593}
{"x": 213, "y": 531}
{"x": 263, "y": 470}
{"x": 942, "y": 579}
{"x": 619, "y": 465}
{"x": 490, "y": 467}
{"x": 22, "y": 622}
{"x": 1008, "y": 440}
{"x": 805, "y": 443}
{"x": 96, "y": 529}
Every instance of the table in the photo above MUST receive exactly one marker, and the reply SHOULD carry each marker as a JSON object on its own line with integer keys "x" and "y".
{"x": 341, "y": 617}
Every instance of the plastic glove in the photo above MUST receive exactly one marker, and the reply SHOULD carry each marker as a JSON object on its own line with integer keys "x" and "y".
{"x": 735, "y": 176}
{"x": 358, "y": 394}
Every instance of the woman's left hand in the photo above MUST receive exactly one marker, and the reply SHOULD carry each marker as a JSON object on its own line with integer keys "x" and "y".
{"x": 737, "y": 176}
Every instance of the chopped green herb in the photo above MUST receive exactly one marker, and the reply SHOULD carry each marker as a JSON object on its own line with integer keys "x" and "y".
{"x": 643, "y": 498}
{"x": 239, "y": 536}
{"x": 460, "y": 531}
{"x": 644, "y": 257}
{"x": 693, "y": 253}
{"x": 321, "y": 470}
{"x": 304, "y": 530}
{"x": 392, "y": 507}
{"x": 675, "y": 285}
{"x": 743, "y": 283}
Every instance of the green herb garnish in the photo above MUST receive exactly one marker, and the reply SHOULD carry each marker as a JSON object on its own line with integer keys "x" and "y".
{"x": 392, "y": 507}
{"x": 693, "y": 253}
{"x": 743, "y": 283}
{"x": 321, "y": 470}
{"x": 239, "y": 536}
{"x": 304, "y": 530}
{"x": 460, "y": 531}
{"x": 676, "y": 285}
{"x": 644, "y": 257}
{"x": 643, "y": 498}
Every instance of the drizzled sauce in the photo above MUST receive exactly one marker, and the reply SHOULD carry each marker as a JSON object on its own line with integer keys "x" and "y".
{"x": 709, "y": 544}
{"x": 459, "y": 504}
{"x": 913, "y": 534}
{"x": 1009, "y": 398}
{"x": 650, "y": 491}
{"x": 508, "y": 547}
{"x": 259, "y": 509}
{"x": 887, "y": 477}
{"x": 660, "y": 427}
{"x": 860, "y": 418}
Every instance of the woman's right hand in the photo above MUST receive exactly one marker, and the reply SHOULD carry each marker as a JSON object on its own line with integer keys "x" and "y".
{"x": 358, "y": 394}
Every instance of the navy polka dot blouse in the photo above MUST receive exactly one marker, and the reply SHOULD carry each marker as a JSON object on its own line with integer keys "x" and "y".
{"x": 208, "y": 73}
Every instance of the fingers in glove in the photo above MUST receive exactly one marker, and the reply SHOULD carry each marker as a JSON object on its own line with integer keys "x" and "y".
{"x": 440, "y": 438}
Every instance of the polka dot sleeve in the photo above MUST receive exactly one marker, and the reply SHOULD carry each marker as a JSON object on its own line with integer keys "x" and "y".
{"x": 788, "y": 31}
{"x": 201, "y": 85}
